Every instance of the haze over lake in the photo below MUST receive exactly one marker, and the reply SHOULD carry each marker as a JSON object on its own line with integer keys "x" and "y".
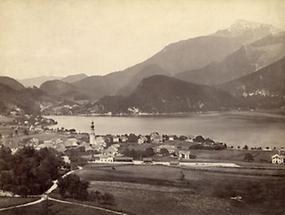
{"x": 234, "y": 128}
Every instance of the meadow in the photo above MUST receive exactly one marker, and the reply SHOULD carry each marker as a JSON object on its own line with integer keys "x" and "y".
{"x": 151, "y": 189}
{"x": 54, "y": 208}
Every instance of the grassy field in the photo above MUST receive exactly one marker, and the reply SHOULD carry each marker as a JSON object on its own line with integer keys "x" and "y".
{"x": 259, "y": 156}
{"x": 54, "y": 208}
{"x": 160, "y": 190}
{"x": 10, "y": 201}
{"x": 233, "y": 155}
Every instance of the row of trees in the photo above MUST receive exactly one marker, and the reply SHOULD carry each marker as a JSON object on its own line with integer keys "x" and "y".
{"x": 28, "y": 172}
{"x": 139, "y": 154}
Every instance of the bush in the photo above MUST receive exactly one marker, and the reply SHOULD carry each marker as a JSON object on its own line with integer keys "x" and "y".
{"x": 98, "y": 197}
{"x": 149, "y": 152}
{"x": 72, "y": 186}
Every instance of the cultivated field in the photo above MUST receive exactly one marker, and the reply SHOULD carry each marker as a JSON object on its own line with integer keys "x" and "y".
{"x": 150, "y": 189}
{"x": 54, "y": 208}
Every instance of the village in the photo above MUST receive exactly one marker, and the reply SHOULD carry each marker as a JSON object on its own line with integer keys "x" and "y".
{"x": 122, "y": 168}
{"x": 155, "y": 148}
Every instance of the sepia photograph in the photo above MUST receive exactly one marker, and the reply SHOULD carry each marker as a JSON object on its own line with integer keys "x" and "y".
{"x": 142, "y": 107}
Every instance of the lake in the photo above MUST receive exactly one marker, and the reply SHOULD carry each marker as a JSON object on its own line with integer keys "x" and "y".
{"x": 234, "y": 128}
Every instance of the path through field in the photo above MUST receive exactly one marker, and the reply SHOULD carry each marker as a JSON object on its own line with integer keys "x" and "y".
{"x": 44, "y": 197}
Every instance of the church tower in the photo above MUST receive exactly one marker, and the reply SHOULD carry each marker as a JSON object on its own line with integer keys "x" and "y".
{"x": 92, "y": 135}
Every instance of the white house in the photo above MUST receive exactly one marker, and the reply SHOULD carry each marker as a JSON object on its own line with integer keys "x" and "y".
{"x": 116, "y": 139}
{"x": 141, "y": 139}
{"x": 100, "y": 141}
{"x": 123, "y": 139}
{"x": 71, "y": 142}
{"x": 111, "y": 150}
{"x": 155, "y": 137}
{"x": 278, "y": 159}
{"x": 184, "y": 154}
{"x": 106, "y": 159}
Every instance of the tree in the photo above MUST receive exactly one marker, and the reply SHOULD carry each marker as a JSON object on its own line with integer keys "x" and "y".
{"x": 248, "y": 157}
{"x": 182, "y": 138}
{"x": 132, "y": 138}
{"x": 72, "y": 186}
{"x": 164, "y": 152}
{"x": 199, "y": 139}
{"x": 245, "y": 147}
{"x": 28, "y": 172}
{"x": 149, "y": 152}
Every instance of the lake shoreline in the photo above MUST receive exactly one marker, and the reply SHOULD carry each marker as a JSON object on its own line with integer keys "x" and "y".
{"x": 236, "y": 128}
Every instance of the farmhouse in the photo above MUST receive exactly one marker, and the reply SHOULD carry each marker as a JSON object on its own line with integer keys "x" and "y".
{"x": 115, "y": 139}
{"x": 170, "y": 148}
{"x": 112, "y": 150}
{"x": 278, "y": 159}
{"x": 100, "y": 141}
{"x": 71, "y": 142}
{"x": 171, "y": 138}
{"x": 141, "y": 139}
{"x": 183, "y": 154}
{"x": 123, "y": 139}
{"x": 106, "y": 159}
{"x": 155, "y": 137}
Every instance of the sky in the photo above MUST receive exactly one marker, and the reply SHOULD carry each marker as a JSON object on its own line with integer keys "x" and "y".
{"x": 96, "y": 37}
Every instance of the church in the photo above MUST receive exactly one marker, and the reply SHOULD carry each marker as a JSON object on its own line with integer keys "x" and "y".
{"x": 92, "y": 139}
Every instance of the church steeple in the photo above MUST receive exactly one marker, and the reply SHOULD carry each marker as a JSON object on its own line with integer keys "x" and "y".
{"x": 92, "y": 134}
{"x": 92, "y": 126}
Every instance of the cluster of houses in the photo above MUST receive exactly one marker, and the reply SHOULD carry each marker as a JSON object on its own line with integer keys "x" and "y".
{"x": 106, "y": 148}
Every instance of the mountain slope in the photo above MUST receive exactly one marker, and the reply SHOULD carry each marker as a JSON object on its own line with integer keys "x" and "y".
{"x": 270, "y": 80}
{"x": 147, "y": 71}
{"x": 28, "y": 99}
{"x": 63, "y": 90}
{"x": 97, "y": 86}
{"x": 74, "y": 78}
{"x": 168, "y": 95}
{"x": 264, "y": 88}
{"x": 177, "y": 57}
{"x": 244, "y": 61}
{"x": 198, "y": 52}
{"x": 10, "y": 82}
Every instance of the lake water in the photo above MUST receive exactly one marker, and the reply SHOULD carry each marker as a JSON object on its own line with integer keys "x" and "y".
{"x": 233, "y": 128}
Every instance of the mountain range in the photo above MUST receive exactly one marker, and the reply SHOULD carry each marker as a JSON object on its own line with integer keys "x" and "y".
{"x": 181, "y": 76}
{"x": 37, "y": 81}
{"x": 247, "y": 59}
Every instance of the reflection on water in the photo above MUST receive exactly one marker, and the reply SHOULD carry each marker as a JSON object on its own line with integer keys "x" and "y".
{"x": 233, "y": 128}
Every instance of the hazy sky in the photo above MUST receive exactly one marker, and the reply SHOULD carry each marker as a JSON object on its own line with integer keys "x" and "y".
{"x": 62, "y": 37}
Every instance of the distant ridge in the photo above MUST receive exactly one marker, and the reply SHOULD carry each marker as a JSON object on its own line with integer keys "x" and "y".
{"x": 163, "y": 94}
{"x": 74, "y": 78}
{"x": 37, "y": 81}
